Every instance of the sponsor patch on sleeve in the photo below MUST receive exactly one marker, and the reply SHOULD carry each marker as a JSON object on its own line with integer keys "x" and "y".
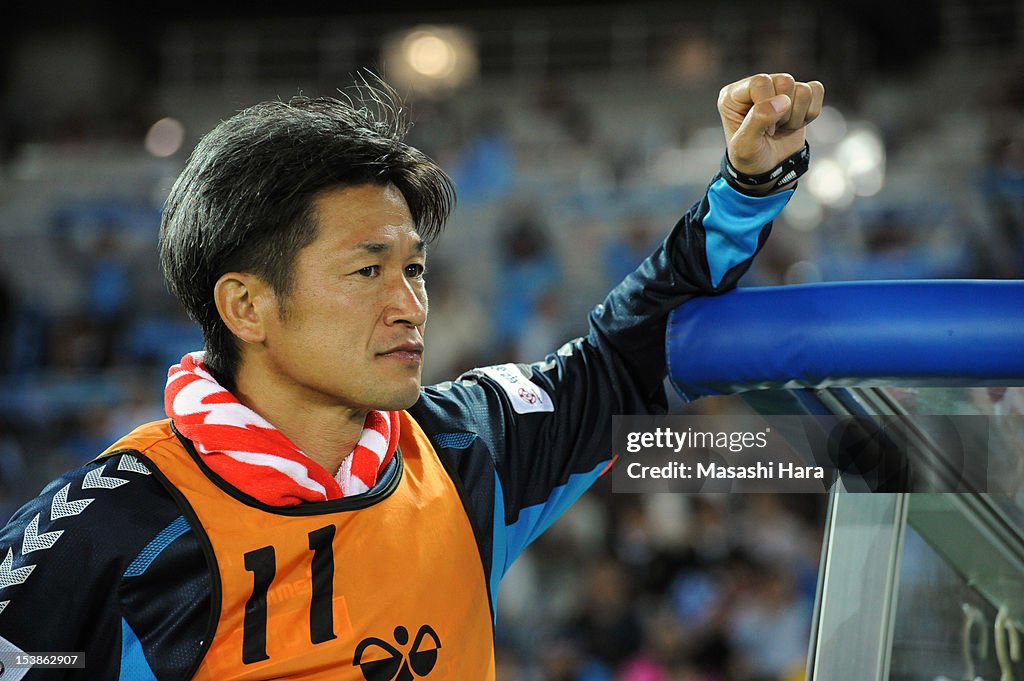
{"x": 525, "y": 395}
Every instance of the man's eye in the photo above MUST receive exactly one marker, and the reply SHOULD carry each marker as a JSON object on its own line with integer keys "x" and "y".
{"x": 415, "y": 271}
{"x": 371, "y": 271}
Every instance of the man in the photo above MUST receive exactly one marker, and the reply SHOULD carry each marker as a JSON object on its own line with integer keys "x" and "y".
{"x": 308, "y": 511}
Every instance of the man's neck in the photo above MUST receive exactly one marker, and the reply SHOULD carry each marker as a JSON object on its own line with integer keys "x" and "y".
{"x": 325, "y": 432}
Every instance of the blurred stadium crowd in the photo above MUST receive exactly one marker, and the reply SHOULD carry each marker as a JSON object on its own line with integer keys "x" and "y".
{"x": 571, "y": 160}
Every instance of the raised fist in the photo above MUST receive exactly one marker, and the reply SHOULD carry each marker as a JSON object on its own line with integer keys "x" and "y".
{"x": 763, "y": 117}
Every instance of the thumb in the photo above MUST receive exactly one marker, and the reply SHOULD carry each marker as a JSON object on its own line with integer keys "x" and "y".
{"x": 765, "y": 115}
{"x": 761, "y": 120}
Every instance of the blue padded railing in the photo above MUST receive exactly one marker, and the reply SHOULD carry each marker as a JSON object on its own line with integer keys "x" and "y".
{"x": 912, "y": 333}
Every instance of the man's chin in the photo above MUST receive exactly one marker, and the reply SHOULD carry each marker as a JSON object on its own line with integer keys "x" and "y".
{"x": 401, "y": 399}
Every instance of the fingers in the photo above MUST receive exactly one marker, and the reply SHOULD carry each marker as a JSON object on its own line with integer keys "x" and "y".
{"x": 762, "y": 87}
{"x": 784, "y": 84}
{"x": 771, "y": 99}
{"x": 754, "y": 102}
{"x": 763, "y": 118}
{"x": 801, "y": 104}
{"x": 807, "y": 102}
{"x": 795, "y": 103}
{"x": 817, "y": 100}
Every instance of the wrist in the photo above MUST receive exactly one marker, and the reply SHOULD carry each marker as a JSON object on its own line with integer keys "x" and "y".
{"x": 777, "y": 179}
{"x": 760, "y": 189}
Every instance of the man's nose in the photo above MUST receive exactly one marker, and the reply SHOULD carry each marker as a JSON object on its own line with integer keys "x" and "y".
{"x": 407, "y": 303}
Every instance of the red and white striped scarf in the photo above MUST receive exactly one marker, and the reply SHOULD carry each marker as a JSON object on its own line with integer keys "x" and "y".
{"x": 249, "y": 453}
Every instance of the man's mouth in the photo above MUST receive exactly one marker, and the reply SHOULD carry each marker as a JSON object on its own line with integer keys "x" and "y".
{"x": 408, "y": 353}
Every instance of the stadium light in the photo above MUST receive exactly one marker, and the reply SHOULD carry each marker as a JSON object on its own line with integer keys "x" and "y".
{"x": 829, "y": 128}
{"x": 165, "y": 137}
{"x": 429, "y": 55}
{"x": 862, "y": 156}
{"x": 804, "y": 212}
{"x": 829, "y": 184}
{"x": 430, "y": 58}
{"x": 803, "y": 272}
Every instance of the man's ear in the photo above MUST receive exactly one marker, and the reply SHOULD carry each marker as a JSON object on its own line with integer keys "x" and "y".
{"x": 242, "y": 301}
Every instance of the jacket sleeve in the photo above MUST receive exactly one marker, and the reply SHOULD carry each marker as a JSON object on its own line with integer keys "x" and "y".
{"x": 547, "y": 426}
{"x": 70, "y": 575}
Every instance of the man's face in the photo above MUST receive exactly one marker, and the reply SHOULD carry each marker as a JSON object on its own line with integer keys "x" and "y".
{"x": 351, "y": 332}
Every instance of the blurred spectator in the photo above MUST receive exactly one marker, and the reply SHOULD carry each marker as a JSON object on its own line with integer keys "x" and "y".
{"x": 14, "y": 117}
{"x": 458, "y": 334}
{"x": 714, "y": 536}
{"x": 108, "y": 287}
{"x": 547, "y": 329}
{"x": 1001, "y": 253}
{"x": 664, "y": 651}
{"x": 562, "y": 659}
{"x": 769, "y": 625}
{"x": 13, "y": 476}
{"x": 93, "y": 248}
{"x": 159, "y": 339}
{"x": 7, "y": 313}
{"x": 78, "y": 342}
{"x": 508, "y": 666}
{"x": 529, "y": 268}
{"x": 770, "y": 533}
{"x": 485, "y": 167}
{"x": 142, "y": 402}
{"x": 606, "y": 622}
{"x": 28, "y": 340}
{"x": 627, "y": 248}
{"x": 87, "y": 432}
{"x": 574, "y": 120}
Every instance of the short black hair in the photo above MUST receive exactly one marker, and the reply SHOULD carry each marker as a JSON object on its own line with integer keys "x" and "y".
{"x": 245, "y": 200}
